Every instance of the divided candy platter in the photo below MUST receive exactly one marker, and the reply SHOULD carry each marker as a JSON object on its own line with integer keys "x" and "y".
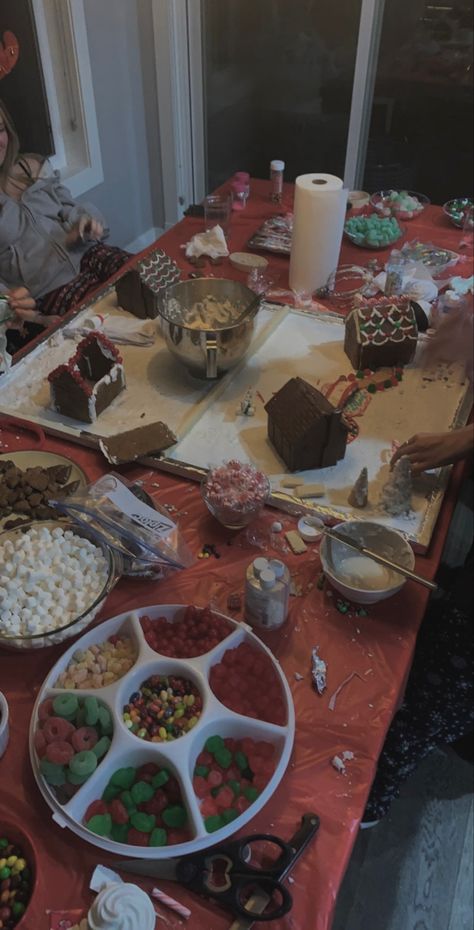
{"x": 249, "y": 780}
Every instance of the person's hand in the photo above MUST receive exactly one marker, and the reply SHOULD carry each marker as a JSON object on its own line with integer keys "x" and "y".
{"x": 85, "y": 229}
{"x": 20, "y": 299}
{"x": 432, "y": 450}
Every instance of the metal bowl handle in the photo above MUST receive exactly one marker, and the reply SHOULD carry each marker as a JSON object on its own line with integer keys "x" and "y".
{"x": 211, "y": 355}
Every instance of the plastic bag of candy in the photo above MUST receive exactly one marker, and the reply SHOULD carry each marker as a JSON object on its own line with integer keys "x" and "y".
{"x": 145, "y": 540}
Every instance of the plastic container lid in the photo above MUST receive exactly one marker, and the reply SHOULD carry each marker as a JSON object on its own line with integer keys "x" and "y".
{"x": 277, "y": 567}
{"x": 310, "y": 528}
{"x": 277, "y": 165}
{"x": 259, "y": 566}
{"x": 267, "y": 578}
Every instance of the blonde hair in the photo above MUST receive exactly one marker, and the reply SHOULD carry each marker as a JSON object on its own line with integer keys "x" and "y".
{"x": 13, "y": 146}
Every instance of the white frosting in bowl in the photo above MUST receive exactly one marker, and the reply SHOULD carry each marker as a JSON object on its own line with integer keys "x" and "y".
{"x": 122, "y": 907}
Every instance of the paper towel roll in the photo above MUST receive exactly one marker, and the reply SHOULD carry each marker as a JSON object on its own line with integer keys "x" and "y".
{"x": 319, "y": 214}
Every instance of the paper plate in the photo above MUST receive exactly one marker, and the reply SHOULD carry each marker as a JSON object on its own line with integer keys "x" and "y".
{"x": 178, "y": 756}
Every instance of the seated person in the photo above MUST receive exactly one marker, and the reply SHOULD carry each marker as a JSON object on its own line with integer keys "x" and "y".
{"x": 51, "y": 249}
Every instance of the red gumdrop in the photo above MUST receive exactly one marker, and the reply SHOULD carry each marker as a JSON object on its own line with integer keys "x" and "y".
{"x": 97, "y": 807}
{"x": 137, "y": 838}
{"x": 215, "y": 778}
{"x": 157, "y": 803}
{"x": 57, "y": 728}
{"x": 172, "y": 789}
{"x": 118, "y": 811}
{"x": 225, "y": 798}
{"x": 204, "y": 758}
{"x": 230, "y": 744}
{"x": 149, "y": 769}
{"x": 177, "y": 836}
{"x": 232, "y": 773}
{"x": 45, "y": 709}
{"x": 201, "y": 786}
{"x": 247, "y": 745}
{"x": 241, "y": 804}
{"x": 208, "y": 807}
{"x": 59, "y": 752}
{"x": 40, "y": 743}
{"x": 260, "y": 782}
{"x": 84, "y": 738}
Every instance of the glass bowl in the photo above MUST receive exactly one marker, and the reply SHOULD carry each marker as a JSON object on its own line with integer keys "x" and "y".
{"x": 359, "y": 228}
{"x": 456, "y": 209}
{"x": 385, "y": 204}
{"x": 30, "y": 641}
{"x": 235, "y": 493}
{"x": 20, "y": 838}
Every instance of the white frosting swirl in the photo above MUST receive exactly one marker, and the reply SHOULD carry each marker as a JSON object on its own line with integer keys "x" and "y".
{"x": 122, "y": 907}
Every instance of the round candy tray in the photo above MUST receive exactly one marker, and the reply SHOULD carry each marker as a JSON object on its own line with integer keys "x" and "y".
{"x": 178, "y": 756}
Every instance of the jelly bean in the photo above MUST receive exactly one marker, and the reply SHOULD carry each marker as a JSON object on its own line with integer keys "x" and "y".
{"x": 105, "y": 720}
{"x": 174, "y": 816}
{"x": 110, "y": 792}
{"x": 65, "y": 705}
{"x": 215, "y": 778}
{"x": 83, "y": 763}
{"x": 91, "y": 708}
{"x": 101, "y": 747}
{"x": 202, "y": 771}
{"x": 59, "y": 752}
{"x": 84, "y": 738}
{"x": 150, "y": 768}
{"x": 225, "y": 798}
{"x": 45, "y": 709}
{"x": 214, "y": 743}
{"x": 118, "y": 811}
{"x": 101, "y": 824}
{"x": 241, "y": 760}
{"x": 160, "y": 778}
{"x": 158, "y": 837}
{"x": 57, "y": 728}
{"x": 229, "y": 814}
{"x": 137, "y": 837}
{"x": 53, "y": 774}
{"x": 204, "y": 758}
{"x": 223, "y": 758}
{"x": 97, "y": 807}
{"x": 141, "y": 791}
{"x": 235, "y": 786}
{"x": 157, "y": 803}
{"x": 127, "y": 801}
{"x": 241, "y": 804}
{"x": 124, "y": 778}
{"x": 119, "y": 832}
{"x": 213, "y": 823}
{"x": 201, "y": 786}
{"x": 142, "y": 822}
{"x": 251, "y": 793}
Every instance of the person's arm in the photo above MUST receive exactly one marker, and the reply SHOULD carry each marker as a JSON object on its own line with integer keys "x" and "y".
{"x": 432, "y": 450}
{"x": 83, "y": 221}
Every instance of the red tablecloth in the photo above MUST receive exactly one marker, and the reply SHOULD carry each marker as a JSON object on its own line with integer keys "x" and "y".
{"x": 378, "y": 648}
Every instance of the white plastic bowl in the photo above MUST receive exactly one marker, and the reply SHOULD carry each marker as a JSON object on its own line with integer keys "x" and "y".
{"x": 381, "y": 539}
{"x": 4, "y": 725}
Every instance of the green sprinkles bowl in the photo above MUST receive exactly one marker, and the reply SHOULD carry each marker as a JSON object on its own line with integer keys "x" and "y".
{"x": 456, "y": 209}
{"x": 373, "y": 232}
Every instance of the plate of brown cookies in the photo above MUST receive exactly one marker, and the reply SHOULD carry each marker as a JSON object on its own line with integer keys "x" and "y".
{"x": 29, "y": 478}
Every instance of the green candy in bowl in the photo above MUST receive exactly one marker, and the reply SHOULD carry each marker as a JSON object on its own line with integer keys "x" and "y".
{"x": 373, "y": 232}
{"x": 456, "y": 210}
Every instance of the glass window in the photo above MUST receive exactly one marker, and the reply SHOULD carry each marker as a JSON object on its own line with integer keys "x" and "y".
{"x": 278, "y": 84}
{"x": 421, "y": 128}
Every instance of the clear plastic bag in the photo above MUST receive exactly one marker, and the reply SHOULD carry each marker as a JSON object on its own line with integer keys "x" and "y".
{"x": 141, "y": 533}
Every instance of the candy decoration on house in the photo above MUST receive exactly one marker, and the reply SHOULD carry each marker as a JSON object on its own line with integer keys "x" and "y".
{"x": 304, "y": 428}
{"x": 9, "y": 53}
{"x": 381, "y": 333}
{"x": 359, "y": 495}
{"x": 138, "y": 288}
{"x": 90, "y": 380}
{"x": 396, "y": 493}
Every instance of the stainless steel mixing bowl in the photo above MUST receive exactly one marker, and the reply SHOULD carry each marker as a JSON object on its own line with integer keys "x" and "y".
{"x": 208, "y": 323}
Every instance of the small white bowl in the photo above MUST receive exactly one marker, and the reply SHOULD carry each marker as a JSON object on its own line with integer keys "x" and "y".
{"x": 381, "y": 539}
{"x": 4, "y": 727}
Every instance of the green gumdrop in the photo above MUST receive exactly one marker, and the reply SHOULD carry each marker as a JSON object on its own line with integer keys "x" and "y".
{"x": 124, "y": 778}
{"x": 229, "y": 814}
{"x": 127, "y": 801}
{"x": 77, "y": 779}
{"x": 141, "y": 792}
{"x": 101, "y": 824}
{"x": 223, "y": 757}
{"x": 143, "y": 822}
{"x": 83, "y": 763}
{"x": 160, "y": 778}
{"x": 101, "y": 747}
{"x": 251, "y": 793}
{"x": 110, "y": 792}
{"x": 202, "y": 771}
{"x": 213, "y": 823}
{"x": 52, "y": 773}
{"x": 241, "y": 760}
{"x": 65, "y": 705}
{"x": 91, "y": 708}
{"x": 235, "y": 785}
{"x": 119, "y": 832}
{"x": 214, "y": 743}
{"x": 158, "y": 837}
{"x": 174, "y": 816}
{"x": 105, "y": 720}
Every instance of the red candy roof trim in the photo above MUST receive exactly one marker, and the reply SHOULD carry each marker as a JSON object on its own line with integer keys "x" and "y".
{"x": 71, "y": 368}
{"x": 98, "y": 337}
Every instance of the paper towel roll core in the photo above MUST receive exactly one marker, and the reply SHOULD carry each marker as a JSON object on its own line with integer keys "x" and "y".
{"x": 319, "y": 215}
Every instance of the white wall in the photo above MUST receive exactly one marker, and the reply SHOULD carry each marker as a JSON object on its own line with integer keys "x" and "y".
{"x": 120, "y": 37}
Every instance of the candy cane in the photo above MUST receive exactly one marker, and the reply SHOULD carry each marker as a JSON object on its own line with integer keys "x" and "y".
{"x": 170, "y": 902}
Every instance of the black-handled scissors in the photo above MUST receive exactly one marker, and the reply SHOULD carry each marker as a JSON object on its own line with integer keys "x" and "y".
{"x": 228, "y": 873}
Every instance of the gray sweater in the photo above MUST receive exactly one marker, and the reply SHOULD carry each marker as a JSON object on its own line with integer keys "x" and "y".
{"x": 33, "y": 234}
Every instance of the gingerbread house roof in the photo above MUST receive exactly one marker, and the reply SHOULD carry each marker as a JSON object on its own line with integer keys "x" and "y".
{"x": 158, "y": 270}
{"x": 382, "y": 321}
{"x": 298, "y": 407}
{"x": 75, "y": 370}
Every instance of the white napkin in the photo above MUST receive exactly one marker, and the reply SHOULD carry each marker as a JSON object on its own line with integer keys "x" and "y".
{"x": 126, "y": 330}
{"x": 417, "y": 282}
{"x": 210, "y": 243}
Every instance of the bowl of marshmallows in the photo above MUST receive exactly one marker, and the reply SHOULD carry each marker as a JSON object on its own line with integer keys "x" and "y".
{"x": 54, "y": 579}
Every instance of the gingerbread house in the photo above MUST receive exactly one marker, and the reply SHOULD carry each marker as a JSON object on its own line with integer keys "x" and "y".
{"x": 138, "y": 289}
{"x": 90, "y": 380}
{"x": 304, "y": 428}
{"x": 381, "y": 333}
